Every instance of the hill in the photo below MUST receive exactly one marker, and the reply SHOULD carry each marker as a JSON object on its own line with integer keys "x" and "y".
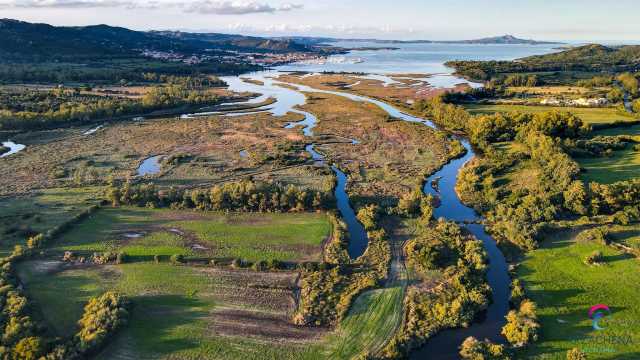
{"x": 505, "y": 39}
{"x": 23, "y": 41}
{"x": 237, "y": 42}
{"x": 591, "y": 58}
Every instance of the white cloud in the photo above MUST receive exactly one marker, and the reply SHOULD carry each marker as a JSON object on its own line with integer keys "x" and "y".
{"x": 236, "y": 7}
{"x": 64, "y": 4}
{"x": 219, "y": 7}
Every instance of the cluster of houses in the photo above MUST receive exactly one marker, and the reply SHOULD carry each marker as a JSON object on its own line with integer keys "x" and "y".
{"x": 172, "y": 56}
{"x": 265, "y": 59}
{"x": 594, "y": 102}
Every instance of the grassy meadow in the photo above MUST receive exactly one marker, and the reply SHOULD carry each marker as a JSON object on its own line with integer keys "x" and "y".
{"x": 622, "y": 165}
{"x": 23, "y": 216}
{"x": 184, "y": 311}
{"x": 564, "y": 288}
{"x": 144, "y": 233}
{"x": 179, "y": 312}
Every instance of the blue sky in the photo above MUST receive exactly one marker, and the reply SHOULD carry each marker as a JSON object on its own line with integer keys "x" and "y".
{"x": 393, "y": 19}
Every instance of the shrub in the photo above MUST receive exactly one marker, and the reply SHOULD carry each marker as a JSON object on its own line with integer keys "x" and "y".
{"x": 177, "y": 259}
{"x": 259, "y": 265}
{"x": 102, "y": 316}
{"x": 29, "y": 348}
{"x": 237, "y": 263}
{"x": 473, "y": 349}
{"x": 122, "y": 258}
{"x": 594, "y": 258}
{"x": 522, "y": 326}
{"x": 598, "y": 235}
{"x": 576, "y": 354}
{"x": 275, "y": 264}
{"x": 517, "y": 293}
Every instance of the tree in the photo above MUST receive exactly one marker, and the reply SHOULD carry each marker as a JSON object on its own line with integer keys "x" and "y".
{"x": 630, "y": 83}
{"x": 615, "y": 95}
{"x": 576, "y": 354}
{"x": 522, "y": 326}
{"x": 575, "y": 198}
{"x": 30, "y": 348}
{"x": 473, "y": 349}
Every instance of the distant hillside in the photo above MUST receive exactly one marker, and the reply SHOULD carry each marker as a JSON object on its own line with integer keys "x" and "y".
{"x": 237, "y": 42}
{"x": 26, "y": 41}
{"x": 505, "y": 39}
{"x": 587, "y": 58}
{"x": 23, "y": 41}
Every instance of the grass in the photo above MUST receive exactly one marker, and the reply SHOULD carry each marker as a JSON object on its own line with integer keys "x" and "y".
{"x": 370, "y": 323}
{"x": 588, "y": 115}
{"x": 622, "y": 165}
{"x": 39, "y": 212}
{"x": 564, "y": 288}
{"x": 171, "y": 314}
{"x": 285, "y": 237}
{"x": 627, "y": 235}
{"x": 58, "y": 157}
{"x": 626, "y": 130}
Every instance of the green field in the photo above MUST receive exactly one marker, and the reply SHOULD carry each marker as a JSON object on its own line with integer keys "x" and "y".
{"x": 147, "y": 232}
{"x": 622, "y": 165}
{"x": 174, "y": 309}
{"x": 564, "y": 288}
{"x": 625, "y": 130}
{"x": 371, "y": 322}
{"x": 588, "y": 115}
{"x": 183, "y": 311}
{"x": 24, "y": 216}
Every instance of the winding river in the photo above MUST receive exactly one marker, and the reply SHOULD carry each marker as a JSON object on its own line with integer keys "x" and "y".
{"x": 445, "y": 344}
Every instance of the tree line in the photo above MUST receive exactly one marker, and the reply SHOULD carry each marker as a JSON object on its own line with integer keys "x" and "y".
{"x": 245, "y": 195}
{"x": 34, "y": 109}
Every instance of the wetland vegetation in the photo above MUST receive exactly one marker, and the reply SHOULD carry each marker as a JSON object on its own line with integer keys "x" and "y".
{"x": 232, "y": 244}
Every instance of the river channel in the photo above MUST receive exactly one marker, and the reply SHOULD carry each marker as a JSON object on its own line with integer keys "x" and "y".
{"x": 445, "y": 344}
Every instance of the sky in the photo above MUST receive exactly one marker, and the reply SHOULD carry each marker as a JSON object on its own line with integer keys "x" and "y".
{"x": 567, "y": 20}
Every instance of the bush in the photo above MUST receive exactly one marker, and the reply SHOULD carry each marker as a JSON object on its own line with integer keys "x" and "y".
{"x": 122, "y": 258}
{"x": 102, "y": 316}
{"x": 594, "y": 258}
{"x": 599, "y": 235}
{"x": 259, "y": 265}
{"x": 522, "y": 326}
{"x": 576, "y": 354}
{"x": 237, "y": 263}
{"x": 177, "y": 259}
{"x": 274, "y": 264}
{"x": 473, "y": 349}
{"x": 517, "y": 293}
{"x": 30, "y": 348}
